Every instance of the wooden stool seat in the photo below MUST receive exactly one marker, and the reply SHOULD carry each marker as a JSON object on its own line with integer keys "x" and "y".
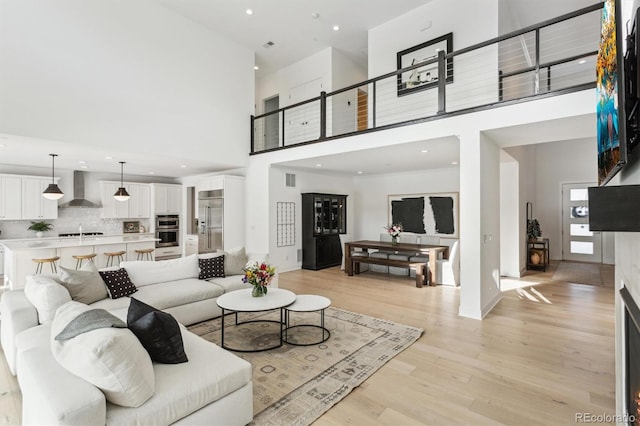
{"x": 144, "y": 254}
{"x": 50, "y": 260}
{"x": 112, "y": 255}
{"x": 82, "y": 257}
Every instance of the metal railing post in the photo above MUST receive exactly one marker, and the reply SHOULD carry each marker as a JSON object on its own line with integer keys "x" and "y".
{"x": 323, "y": 114}
{"x": 373, "y": 112}
{"x": 283, "y": 121}
{"x": 253, "y": 132}
{"x": 442, "y": 82}
{"x": 536, "y": 88}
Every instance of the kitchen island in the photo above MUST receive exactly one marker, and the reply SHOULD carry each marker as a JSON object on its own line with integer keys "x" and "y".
{"x": 18, "y": 254}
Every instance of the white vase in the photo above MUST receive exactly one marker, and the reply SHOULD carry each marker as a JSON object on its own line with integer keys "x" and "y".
{"x": 39, "y": 234}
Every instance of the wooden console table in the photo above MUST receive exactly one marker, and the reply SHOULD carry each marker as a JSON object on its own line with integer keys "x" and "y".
{"x": 351, "y": 263}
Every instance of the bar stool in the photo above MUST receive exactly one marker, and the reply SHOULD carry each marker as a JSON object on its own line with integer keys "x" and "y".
{"x": 112, "y": 255}
{"x": 50, "y": 260}
{"x": 144, "y": 254}
{"x": 81, "y": 257}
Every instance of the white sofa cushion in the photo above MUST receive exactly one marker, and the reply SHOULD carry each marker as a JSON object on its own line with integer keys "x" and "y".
{"x": 46, "y": 295}
{"x": 230, "y": 283}
{"x": 167, "y": 295}
{"x": 144, "y": 272}
{"x": 182, "y": 389}
{"x": 111, "y": 359}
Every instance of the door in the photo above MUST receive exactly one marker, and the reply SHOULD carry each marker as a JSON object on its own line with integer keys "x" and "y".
{"x": 578, "y": 242}
{"x": 271, "y": 123}
{"x": 303, "y": 122}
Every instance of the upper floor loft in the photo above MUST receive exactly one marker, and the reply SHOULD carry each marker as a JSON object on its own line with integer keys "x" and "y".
{"x": 434, "y": 80}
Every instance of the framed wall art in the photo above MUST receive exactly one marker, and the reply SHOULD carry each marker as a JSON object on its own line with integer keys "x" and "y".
{"x": 424, "y": 77}
{"x": 432, "y": 214}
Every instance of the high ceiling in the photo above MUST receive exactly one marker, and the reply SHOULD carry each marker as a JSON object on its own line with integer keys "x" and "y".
{"x": 297, "y": 30}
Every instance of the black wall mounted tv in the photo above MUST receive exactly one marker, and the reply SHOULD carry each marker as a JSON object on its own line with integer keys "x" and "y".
{"x": 614, "y": 208}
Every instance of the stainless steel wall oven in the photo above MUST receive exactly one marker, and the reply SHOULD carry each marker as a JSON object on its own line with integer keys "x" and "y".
{"x": 168, "y": 230}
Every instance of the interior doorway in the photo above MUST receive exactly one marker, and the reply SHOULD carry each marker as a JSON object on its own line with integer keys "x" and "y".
{"x": 363, "y": 109}
{"x": 272, "y": 123}
{"x": 579, "y": 243}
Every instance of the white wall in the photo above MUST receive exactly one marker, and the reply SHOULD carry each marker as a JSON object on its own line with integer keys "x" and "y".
{"x": 133, "y": 76}
{"x": 509, "y": 217}
{"x": 478, "y": 23}
{"x": 372, "y": 192}
{"x": 343, "y": 106}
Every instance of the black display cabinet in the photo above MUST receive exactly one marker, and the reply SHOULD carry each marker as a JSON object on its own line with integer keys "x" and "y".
{"x": 324, "y": 218}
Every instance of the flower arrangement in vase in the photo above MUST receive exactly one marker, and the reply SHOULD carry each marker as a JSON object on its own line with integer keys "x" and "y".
{"x": 394, "y": 231}
{"x": 259, "y": 275}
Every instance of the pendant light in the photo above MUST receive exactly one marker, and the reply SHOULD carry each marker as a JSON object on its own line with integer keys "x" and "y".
{"x": 53, "y": 192}
{"x": 121, "y": 194}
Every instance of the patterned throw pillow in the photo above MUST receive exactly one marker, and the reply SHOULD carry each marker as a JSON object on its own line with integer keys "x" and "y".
{"x": 118, "y": 283}
{"x": 212, "y": 267}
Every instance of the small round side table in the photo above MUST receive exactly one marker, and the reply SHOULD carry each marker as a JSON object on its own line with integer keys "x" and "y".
{"x": 307, "y": 303}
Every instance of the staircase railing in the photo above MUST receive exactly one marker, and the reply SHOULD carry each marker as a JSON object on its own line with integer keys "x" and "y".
{"x": 553, "y": 57}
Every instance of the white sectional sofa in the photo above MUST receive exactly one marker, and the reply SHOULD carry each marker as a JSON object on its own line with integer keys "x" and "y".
{"x": 213, "y": 387}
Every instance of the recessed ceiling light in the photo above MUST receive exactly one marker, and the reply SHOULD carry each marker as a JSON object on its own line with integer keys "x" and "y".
{"x": 583, "y": 61}
{"x": 360, "y": 172}
{"x": 454, "y": 162}
{"x": 2, "y": 145}
{"x": 183, "y": 166}
{"x": 152, "y": 173}
{"x": 249, "y": 12}
{"x": 336, "y": 28}
{"x": 318, "y": 165}
{"x": 424, "y": 151}
{"x": 82, "y": 162}
{"x": 84, "y": 167}
{"x": 108, "y": 158}
{"x": 255, "y": 67}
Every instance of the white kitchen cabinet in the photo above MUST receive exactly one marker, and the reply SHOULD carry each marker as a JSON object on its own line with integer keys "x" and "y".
{"x": 34, "y": 205}
{"x": 167, "y": 199}
{"x": 137, "y": 206}
{"x": 140, "y": 200}
{"x": 190, "y": 244}
{"x": 10, "y": 198}
{"x": 112, "y": 208}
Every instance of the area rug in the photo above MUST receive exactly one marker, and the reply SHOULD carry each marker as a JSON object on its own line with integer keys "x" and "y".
{"x": 294, "y": 385}
{"x": 578, "y": 273}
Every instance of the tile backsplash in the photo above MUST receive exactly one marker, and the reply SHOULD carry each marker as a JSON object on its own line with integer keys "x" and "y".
{"x": 69, "y": 219}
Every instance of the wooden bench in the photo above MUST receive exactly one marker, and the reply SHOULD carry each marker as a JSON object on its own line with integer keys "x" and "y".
{"x": 420, "y": 267}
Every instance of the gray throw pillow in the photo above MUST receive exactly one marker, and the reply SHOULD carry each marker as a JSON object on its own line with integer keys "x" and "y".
{"x": 88, "y": 321}
{"x": 234, "y": 261}
{"x": 84, "y": 285}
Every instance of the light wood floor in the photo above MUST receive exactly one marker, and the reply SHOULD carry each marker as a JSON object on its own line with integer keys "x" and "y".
{"x": 545, "y": 353}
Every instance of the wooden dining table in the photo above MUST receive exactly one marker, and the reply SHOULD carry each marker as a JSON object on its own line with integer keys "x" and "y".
{"x": 407, "y": 249}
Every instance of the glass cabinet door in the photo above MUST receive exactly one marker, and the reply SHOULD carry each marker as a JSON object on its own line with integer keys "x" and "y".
{"x": 342, "y": 215}
{"x": 317, "y": 215}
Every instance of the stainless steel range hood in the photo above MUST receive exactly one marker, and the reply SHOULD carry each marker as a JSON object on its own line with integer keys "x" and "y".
{"x": 78, "y": 193}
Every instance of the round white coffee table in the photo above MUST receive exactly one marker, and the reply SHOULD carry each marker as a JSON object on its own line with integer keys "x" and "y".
{"x": 307, "y": 303}
{"x": 242, "y": 301}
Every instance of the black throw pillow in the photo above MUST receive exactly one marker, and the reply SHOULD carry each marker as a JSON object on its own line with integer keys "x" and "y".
{"x": 118, "y": 283}
{"x": 212, "y": 267}
{"x": 158, "y": 332}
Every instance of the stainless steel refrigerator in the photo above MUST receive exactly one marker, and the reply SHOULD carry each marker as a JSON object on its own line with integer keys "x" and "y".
{"x": 210, "y": 220}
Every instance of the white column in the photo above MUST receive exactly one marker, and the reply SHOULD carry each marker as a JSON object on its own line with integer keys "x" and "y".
{"x": 479, "y": 225}
{"x": 257, "y": 206}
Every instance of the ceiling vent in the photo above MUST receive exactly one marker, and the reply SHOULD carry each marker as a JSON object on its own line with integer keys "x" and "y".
{"x": 290, "y": 180}
{"x": 268, "y": 44}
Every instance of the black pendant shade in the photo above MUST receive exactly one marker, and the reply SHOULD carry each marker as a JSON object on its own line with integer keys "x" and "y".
{"x": 121, "y": 194}
{"x": 53, "y": 192}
